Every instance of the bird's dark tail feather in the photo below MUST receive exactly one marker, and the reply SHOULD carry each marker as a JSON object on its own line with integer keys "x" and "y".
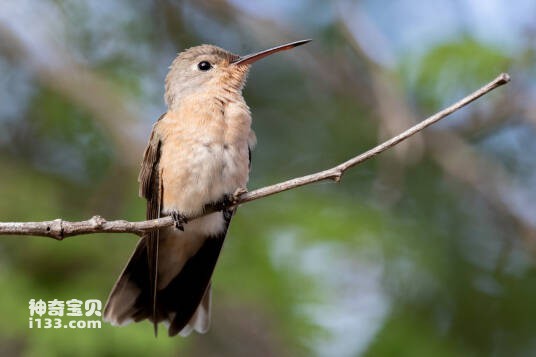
{"x": 131, "y": 298}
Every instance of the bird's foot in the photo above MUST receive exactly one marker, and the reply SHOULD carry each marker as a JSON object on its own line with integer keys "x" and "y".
{"x": 179, "y": 219}
{"x": 235, "y": 197}
{"x": 227, "y": 201}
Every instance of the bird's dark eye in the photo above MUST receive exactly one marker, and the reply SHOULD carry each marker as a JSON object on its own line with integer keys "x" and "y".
{"x": 204, "y": 66}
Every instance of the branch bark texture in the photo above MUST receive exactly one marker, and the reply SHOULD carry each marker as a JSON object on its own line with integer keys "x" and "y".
{"x": 60, "y": 229}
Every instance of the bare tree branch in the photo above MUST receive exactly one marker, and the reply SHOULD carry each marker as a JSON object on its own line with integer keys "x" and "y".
{"x": 60, "y": 229}
{"x": 450, "y": 151}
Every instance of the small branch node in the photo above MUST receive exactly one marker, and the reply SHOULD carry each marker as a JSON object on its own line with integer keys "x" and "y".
{"x": 337, "y": 176}
{"x": 55, "y": 229}
{"x": 504, "y": 78}
{"x": 97, "y": 221}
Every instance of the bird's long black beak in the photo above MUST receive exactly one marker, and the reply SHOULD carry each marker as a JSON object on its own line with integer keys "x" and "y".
{"x": 254, "y": 57}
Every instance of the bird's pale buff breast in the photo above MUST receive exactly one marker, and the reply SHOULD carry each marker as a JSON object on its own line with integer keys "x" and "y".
{"x": 204, "y": 153}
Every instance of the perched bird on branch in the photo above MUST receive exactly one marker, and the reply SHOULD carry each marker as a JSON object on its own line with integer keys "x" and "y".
{"x": 198, "y": 156}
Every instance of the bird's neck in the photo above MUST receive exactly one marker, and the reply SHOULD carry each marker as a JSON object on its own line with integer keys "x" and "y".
{"x": 215, "y": 106}
{"x": 214, "y": 97}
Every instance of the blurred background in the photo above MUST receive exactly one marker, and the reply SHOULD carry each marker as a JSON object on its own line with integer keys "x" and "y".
{"x": 426, "y": 250}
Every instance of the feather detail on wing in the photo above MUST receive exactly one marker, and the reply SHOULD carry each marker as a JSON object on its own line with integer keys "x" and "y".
{"x": 151, "y": 189}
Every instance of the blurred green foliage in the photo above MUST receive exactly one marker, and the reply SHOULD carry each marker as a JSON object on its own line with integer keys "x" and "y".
{"x": 448, "y": 71}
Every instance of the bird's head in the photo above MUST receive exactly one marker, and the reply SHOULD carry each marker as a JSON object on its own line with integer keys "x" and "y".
{"x": 205, "y": 68}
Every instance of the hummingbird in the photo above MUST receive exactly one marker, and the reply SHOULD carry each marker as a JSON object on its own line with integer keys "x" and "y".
{"x": 198, "y": 156}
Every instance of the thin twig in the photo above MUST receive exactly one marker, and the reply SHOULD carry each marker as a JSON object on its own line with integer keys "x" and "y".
{"x": 60, "y": 229}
